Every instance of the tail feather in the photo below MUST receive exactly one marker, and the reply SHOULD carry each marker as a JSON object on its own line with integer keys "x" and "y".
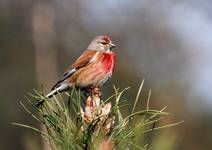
{"x": 61, "y": 88}
{"x": 54, "y": 92}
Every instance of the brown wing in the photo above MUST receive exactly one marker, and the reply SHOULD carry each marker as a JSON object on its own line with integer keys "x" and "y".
{"x": 82, "y": 61}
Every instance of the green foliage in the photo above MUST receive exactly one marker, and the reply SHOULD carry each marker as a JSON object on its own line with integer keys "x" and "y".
{"x": 67, "y": 130}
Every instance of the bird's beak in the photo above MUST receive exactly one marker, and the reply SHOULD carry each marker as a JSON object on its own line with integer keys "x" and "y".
{"x": 112, "y": 45}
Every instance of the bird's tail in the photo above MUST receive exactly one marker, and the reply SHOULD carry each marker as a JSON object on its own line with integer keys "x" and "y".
{"x": 59, "y": 89}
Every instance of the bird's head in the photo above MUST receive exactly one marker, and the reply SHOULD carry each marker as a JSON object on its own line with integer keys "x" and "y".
{"x": 101, "y": 43}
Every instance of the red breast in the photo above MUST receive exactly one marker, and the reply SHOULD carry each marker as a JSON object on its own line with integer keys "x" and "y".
{"x": 97, "y": 72}
{"x": 108, "y": 61}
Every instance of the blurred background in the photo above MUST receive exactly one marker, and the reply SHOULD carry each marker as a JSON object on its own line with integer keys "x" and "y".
{"x": 167, "y": 42}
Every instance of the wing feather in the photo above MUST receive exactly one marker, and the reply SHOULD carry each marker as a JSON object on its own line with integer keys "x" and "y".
{"x": 82, "y": 61}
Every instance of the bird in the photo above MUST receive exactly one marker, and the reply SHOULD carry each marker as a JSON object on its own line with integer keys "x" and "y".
{"x": 91, "y": 70}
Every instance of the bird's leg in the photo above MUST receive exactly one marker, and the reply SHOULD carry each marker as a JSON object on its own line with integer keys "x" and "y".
{"x": 96, "y": 97}
{"x": 94, "y": 92}
{"x": 97, "y": 92}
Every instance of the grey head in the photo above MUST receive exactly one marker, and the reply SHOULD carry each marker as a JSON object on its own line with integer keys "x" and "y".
{"x": 101, "y": 43}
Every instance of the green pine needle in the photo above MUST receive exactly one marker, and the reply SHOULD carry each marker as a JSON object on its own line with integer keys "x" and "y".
{"x": 66, "y": 129}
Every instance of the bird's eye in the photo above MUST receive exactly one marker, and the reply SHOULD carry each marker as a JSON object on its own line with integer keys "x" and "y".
{"x": 104, "y": 43}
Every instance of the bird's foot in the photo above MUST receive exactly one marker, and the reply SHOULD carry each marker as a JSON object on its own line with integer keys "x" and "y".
{"x": 96, "y": 92}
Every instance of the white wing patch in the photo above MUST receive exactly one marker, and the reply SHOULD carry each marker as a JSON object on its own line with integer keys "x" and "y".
{"x": 94, "y": 57}
{"x": 69, "y": 72}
